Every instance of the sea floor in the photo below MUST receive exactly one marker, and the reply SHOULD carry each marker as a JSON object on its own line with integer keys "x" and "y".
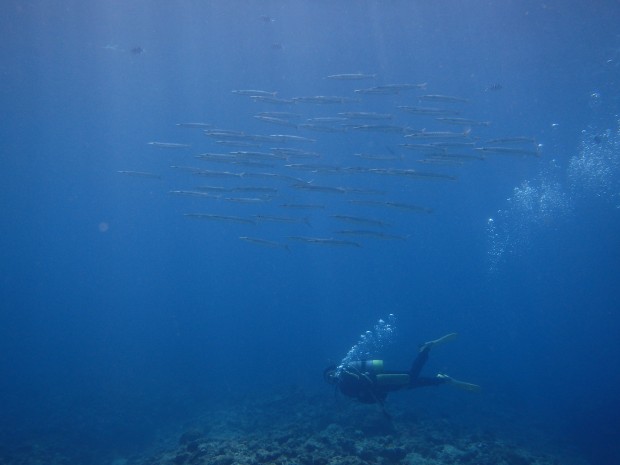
{"x": 298, "y": 428}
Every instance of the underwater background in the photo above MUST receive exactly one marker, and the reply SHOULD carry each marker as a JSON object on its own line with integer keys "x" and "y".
{"x": 135, "y": 295}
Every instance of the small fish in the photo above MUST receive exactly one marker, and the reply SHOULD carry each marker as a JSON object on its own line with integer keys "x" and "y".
{"x": 282, "y": 219}
{"x": 412, "y": 173}
{"x": 314, "y": 168}
{"x": 409, "y": 207}
{"x": 289, "y": 152}
{"x": 510, "y": 151}
{"x": 282, "y": 177}
{"x": 194, "y": 125}
{"x": 194, "y": 194}
{"x": 315, "y": 188}
{"x": 216, "y": 157}
{"x": 252, "y": 200}
{"x": 140, "y": 174}
{"x": 513, "y": 140}
{"x": 361, "y": 220}
{"x": 254, "y": 164}
{"x": 438, "y": 160}
{"x": 390, "y": 89}
{"x": 303, "y": 206}
{"x": 322, "y": 128}
{"x": 213, "y": 189}
{"x": 221, "y": 174}
{"x": 368, "y": 203}
{"x": 279, "y": 114}
{"x": 443, "y": 98}
{"x": 369, "y": 233}
{"x": 327, "y": 119}
{"x": 376, "y": 91}
{"x": 351, "y": 76}
{"x": 207, "y": 216}
{"x": 457, "y": 157}
{"x": 423, "y": 148}
{"x": 259, "y": 155}
{"x": 169, "y": 145}
{"x": 324, "y": 241}
{"x": 437, "y": 134}
{"x": 275, "y": 120}
{"x": 323, "y": 99}
{"x": 263, "y": 189}
{"x": 463, "y": 121}
{"x": 265, "y": 243}
{"x": 493, "y": 87}
{"x": 429, "y": 111}
{"x": 452, "y": 144}
{"x": 399, "y": 87}
{"x": 271, "y": 99}
{"x": 224, "y": 133}
{"x": 382, "y": 128}
{"x": 360, "y": 191}
{"x": 369, "y": 156}
{"x": 191, "y": 169}
{"x": 236, "y": 143}
{"x": 290, "y": 138}
{"x": 365, "y": 115}
{"x": 254, "y": 92}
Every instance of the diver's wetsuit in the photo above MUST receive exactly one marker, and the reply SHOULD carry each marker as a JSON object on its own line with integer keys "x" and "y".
{"x": 371, "y": 388}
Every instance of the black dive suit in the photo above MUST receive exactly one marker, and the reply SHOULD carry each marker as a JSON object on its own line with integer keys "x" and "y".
{"x": 369, "y": 384}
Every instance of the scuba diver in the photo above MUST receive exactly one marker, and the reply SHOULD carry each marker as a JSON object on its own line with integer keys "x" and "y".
{"x": 369, "y": 383}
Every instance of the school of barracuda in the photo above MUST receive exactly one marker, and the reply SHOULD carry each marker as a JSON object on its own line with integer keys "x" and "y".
{"x": 330, "y": 170}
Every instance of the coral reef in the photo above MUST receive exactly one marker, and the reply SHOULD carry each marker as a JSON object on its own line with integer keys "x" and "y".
{"x": 300, "y": 429}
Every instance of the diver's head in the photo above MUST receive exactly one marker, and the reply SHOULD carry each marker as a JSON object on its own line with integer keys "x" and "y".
{"x": 330, "y": 374}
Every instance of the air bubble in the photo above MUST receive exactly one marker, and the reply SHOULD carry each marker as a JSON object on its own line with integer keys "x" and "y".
{"x": 371, "y": 342}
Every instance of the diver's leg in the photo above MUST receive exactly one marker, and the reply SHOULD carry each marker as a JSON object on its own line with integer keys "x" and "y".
{"x": 459, "y": 384}
{"x": 420, "y": 360}
{"x": 424, "y": 381}
{"x": 444, "y": 379}
{"x": 436, "y": 342}
{"x": 418, "y": 363}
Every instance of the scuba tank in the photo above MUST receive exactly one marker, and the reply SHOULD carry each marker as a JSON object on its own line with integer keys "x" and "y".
{"x": 370, "y": 366}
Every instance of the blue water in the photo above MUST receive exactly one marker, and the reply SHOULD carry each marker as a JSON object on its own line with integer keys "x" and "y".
{"x": 120, "y": 315}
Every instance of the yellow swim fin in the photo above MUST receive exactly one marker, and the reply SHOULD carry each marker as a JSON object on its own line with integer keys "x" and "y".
{"x": 436, "y": 342}
{"x": 460, "y": 384}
